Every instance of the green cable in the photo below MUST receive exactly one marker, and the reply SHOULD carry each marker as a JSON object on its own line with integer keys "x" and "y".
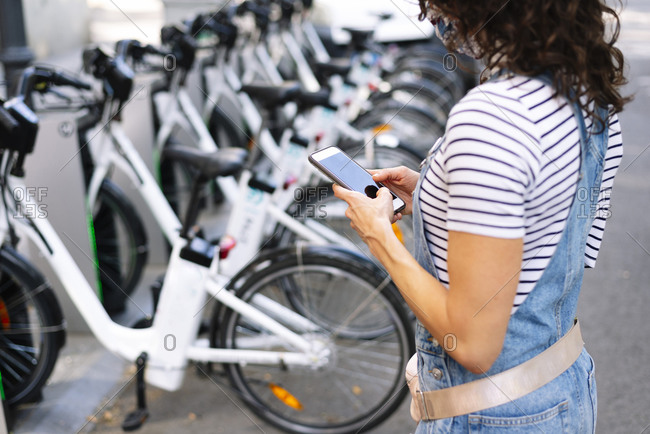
{"x": 93, "y": 246}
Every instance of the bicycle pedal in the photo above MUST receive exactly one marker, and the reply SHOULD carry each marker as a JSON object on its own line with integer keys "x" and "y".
{"x": 135, "y": 419}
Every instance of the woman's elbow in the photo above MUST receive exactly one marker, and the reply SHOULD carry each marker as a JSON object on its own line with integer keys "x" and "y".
{"x": 476, "y": 360}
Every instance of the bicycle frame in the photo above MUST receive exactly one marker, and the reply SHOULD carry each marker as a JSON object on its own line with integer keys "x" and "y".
{"x": 113, "y": 148}
{"x": 269, "y": 208}
{"x": 331, "y": 127}
{"x": 171, "y": 341}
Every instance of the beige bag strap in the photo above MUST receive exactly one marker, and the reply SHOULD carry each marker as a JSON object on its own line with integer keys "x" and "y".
{"x": 503, "y": 387}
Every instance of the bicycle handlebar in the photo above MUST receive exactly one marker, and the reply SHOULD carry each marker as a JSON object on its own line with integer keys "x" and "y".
{"x": 262, "y": 13}
{"x": 21, "y": 126}
{"x": 132, "y": 48}
{"x": 8, "y": 125}
{"x": 183, "y": 46}
{"x": 220, "y": 24}
{"x": 41, "y": 78}
{"x": 115, "y": 73}
{"x": 63, "y": 79}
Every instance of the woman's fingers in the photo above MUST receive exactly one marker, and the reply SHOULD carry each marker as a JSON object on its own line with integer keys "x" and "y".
{"x": 380, "y": 174}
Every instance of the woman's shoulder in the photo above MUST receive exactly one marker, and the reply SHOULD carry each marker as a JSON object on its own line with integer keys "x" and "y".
{"x": 512, "y": 93}
{"x": 502, "y": 105}
{"x": 496, "y": 115}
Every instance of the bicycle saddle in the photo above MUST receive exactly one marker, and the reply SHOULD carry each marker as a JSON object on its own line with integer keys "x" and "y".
{"x": 306, "y": 100}
{"x": 270, "y": 95}
{"x": 359, "y": 37}
{"x": 333, "y": 67}
{"x": 224, "y": 162}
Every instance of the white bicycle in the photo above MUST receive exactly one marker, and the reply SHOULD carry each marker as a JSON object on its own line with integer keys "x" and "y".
{"x": 314, "y": 339}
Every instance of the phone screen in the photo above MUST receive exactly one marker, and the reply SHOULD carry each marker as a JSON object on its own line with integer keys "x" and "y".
{"x": 351, "y": 174}
{"x": 343, "y": 170}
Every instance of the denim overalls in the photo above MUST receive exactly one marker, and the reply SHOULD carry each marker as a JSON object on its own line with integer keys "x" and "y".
{"x": 568, "y": 403}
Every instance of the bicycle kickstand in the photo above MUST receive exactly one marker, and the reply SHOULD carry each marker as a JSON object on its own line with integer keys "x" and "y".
{"x": 136, "y": 418}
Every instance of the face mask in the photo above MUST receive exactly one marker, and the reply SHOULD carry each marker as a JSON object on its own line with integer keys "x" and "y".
{"x": 447, "y": 32}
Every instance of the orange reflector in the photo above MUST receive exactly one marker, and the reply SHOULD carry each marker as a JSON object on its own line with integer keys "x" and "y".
{"x": 380, "y": 129}
{"x": 287, "y": 398}
{"x": 398, "y": 233}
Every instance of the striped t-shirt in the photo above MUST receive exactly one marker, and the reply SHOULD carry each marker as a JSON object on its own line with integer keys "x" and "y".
{"x": 508, "y": 168}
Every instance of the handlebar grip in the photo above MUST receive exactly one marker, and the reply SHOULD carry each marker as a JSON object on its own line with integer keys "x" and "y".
{"x": 7, "y": 122}
{"x": 22, "y": 138}
{"x": 62, "y": 79}
{"x": 133, "y": 48}
{"x": 150, "y": 49}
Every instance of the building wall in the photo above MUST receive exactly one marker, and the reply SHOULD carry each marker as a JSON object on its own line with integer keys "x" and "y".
{"x": 55, "y": 26}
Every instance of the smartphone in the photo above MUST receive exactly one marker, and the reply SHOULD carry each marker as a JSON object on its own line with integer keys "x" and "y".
{"x": 346, "y": 172}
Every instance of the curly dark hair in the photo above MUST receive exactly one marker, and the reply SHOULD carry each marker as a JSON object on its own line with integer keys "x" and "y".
{"x": 568, "y": 39}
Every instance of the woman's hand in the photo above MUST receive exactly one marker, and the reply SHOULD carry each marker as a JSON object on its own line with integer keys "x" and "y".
{"x": 369, "y": 217}
{"x": 401, "y": 181}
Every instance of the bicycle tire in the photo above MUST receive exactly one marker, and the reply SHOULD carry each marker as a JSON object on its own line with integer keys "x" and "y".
{"x": 121, "y": 246}
{"x": 363, "y": 383}
{"x": 410, "y": 124}
{"x": 412, "y": 69}
{"x": 401, "y": 154}
{"x": 31, "y": 329}
{"x": 466, "y": 66}
{"x": 422, "y": 93}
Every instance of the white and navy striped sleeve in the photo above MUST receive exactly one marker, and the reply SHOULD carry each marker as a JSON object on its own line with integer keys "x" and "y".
{"x": 490, "y": 158}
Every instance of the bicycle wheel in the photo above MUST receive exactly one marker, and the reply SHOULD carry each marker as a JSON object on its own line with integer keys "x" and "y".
{"x": 31, "y": 329}
{"x": 121, "y": 243}
{"x": 359, "y": 319}
{"x": 383, "y": 156}
{"x": 435, "y": 71}
{"x": 410, "y": 124}
{"x": 423, "y": 94}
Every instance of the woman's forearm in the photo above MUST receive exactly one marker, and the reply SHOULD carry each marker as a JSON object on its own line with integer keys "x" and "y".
{"x": 470, "y": 319}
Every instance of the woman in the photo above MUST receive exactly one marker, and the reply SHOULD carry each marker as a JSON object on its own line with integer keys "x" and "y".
{"x": 509, "y": 208}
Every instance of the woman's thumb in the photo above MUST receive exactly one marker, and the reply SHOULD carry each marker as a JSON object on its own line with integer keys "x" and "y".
{"x": 384, "y": 192}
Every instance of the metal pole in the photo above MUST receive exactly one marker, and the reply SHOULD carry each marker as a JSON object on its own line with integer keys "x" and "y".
{"x": 15, "y": 55}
